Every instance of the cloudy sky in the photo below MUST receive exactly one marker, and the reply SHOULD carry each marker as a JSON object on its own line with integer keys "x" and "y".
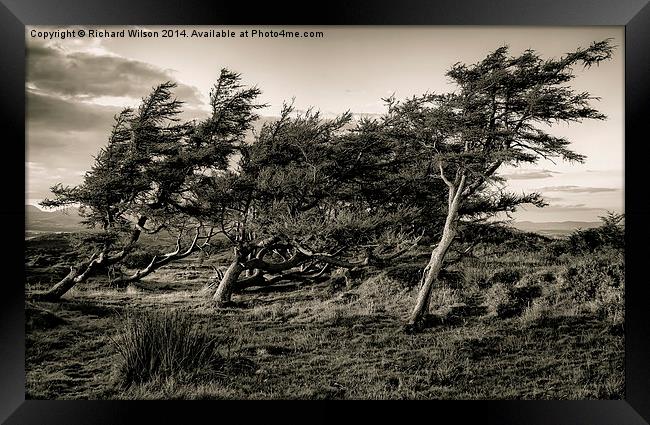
{"x": 75, "y": 86}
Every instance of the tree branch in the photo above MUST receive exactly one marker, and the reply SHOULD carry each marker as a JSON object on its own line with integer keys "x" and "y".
{"x": 444, "y": 178}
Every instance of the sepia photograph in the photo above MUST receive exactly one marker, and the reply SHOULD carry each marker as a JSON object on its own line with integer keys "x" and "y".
{"x": 324, "y": 212}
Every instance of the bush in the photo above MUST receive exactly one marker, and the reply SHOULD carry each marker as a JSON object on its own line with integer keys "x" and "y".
{"x": 508, "y": 277}
{"x": 609, "y": 235}
{"x": 156, "y": 345}
{"x": 477, "y": 273}
{"x": 508, "y": 302}
{"x": 452, "y": 278}
{"x": 495, "y": 297}
{"x": 525, "y": 242}
{"x": 407, "y": 274}
{"x": 544, "y": 277}
{"x": 140, "y": 257}
{"x": 502, "y": 236}
{"x": 379, "y": 293}
{"x": 597, "y": 279}
{"x": 538, "y": 310}
{"x": 587, "y": 277}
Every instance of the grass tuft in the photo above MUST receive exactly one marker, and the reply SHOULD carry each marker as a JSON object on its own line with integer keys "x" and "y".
{"x": 160, "y": 345}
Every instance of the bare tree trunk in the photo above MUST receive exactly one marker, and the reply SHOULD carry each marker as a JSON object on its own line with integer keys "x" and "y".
{"x": 432, "y": 270}
{"x": 229, "y": 281}
{"x": 83, "y": 272}
{"x": 57, "y": 291}
{"x": 72, "y": 278}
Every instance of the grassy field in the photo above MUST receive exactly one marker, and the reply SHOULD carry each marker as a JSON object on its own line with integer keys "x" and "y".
{"x": 516, "y": 325}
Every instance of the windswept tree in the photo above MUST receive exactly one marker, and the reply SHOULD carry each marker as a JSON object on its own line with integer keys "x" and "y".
{"x": 211, "y": 148}
{"x": 500, "y": 114}
{"x": 297, "y": 203}
{"x": 141, "y": 181}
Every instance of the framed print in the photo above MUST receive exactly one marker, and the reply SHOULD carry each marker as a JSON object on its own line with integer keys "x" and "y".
{"x": 439, "y": 202}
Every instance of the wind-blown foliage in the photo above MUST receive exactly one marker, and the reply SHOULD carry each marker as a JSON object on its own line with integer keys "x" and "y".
{"x": 499, "y": 115}
{"x": 143, "y": 180}
{"x": 309, "y": 193}
{"x": 298, "y": 201}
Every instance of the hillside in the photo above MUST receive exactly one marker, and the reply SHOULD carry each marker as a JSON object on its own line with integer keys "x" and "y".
{"x": 37, "y": 220}
{"x": 68, "y": 220}
{"x": 554, "y": 228}
{"x": 513, "y": 325}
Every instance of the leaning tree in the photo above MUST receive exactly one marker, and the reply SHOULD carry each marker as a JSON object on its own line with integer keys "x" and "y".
{"x": 141, "y": 181}
{"x": 211, "y": 148}
{"x": 500, "y": 114}
{"x": 299, "y": 202}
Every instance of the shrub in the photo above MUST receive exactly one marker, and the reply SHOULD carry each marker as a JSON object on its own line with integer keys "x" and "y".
{"x": 410, "y": 275}
{"x": 503, "y": 236}
{"x": 379, "y": 293}
{"x": 507, "y": 276}
{"x": 140, "y": 257}
{"x": 477, "y": 274}
{"x": 442, "y": 297}
{"x": 525, "y": 242}
{"x": 543, "y": 277}
{"x": 505, "y": 301}
{"x": 155, "y": 345}
{"x": 609, "y": 235}
{"x": 537, "y": 311}
{"x": 520, "y": 297}
{"x": 597, "y": 279}
{"x": 452, "y": 278}
{"x": 495, "y": 297}
{"x": 407, "y": 274}
{"x": 587, "y": 277}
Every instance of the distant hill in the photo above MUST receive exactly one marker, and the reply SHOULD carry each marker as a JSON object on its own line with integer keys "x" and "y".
{"x": 67, "y": 220}
{"x": 555, "y": 228}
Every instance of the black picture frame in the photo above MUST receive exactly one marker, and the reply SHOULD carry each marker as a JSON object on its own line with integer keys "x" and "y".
{"x": 633, "y": 14}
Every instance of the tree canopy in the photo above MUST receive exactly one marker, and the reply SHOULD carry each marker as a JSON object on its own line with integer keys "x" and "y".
{"x": 308, "y": 193}
{"x": 499, "y": 114}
